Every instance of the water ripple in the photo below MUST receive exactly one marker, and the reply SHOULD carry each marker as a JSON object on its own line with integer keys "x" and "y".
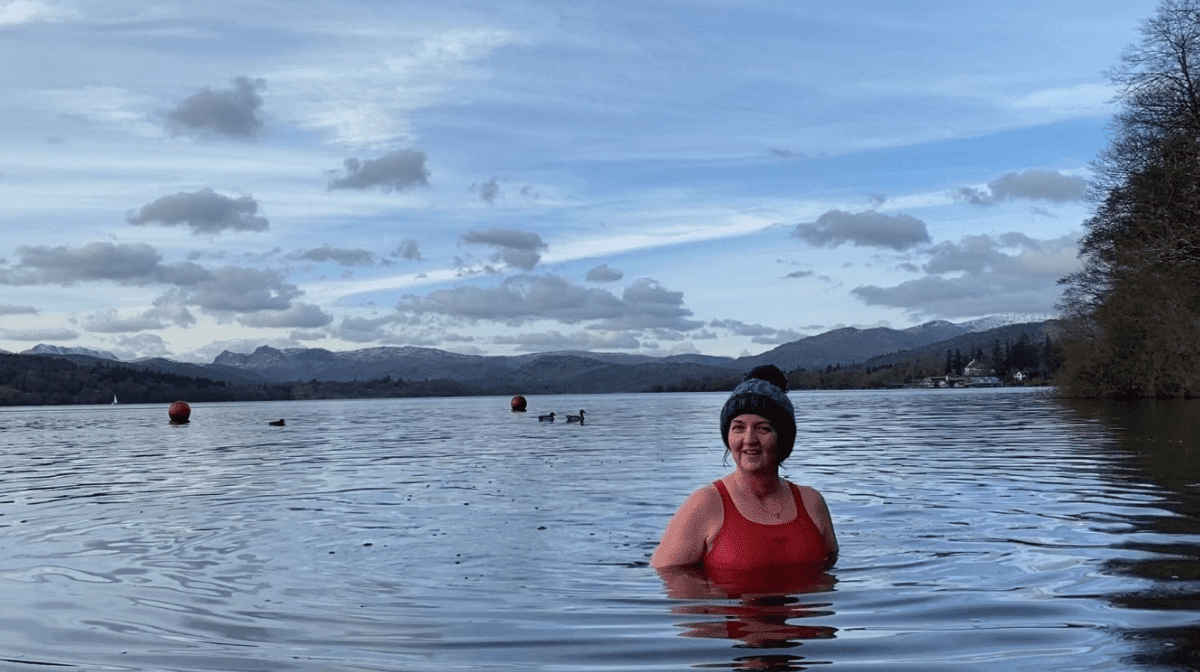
{"x": 982, "y": 530}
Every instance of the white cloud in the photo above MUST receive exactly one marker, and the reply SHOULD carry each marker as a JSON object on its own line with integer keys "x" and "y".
{"x": 129, "y": 264}
{"x": 110, "y": 322}
{"x": 395, "y": 171}
{"x": 982, "y": 275}
{"x": 488, "y": 191}
{"x": 364, "y": 330}
{"x": 345, "y": 257}
{"x": 1042, "y": 185}
{"x": 365, "y": 92}
{"x": 141, "y": 345}
{"x": 408, "y": 249}
{"x": 237, "y": 290}
{"x": 362, "y": 125}
{"x": 110, "y": 106}
{"x": 579, "y": 340}
{"x": 864, "y": 229}
{"x": 1080, "y": 99}
{"x": 205, "y": 211}
{"x": 298, "y": 316}
{"x": 603, "y": 273}
{"x": 526, "y": 298}
{"x": 49, "y": 335}
{"x": 16, "y": 12}
{"x": 513, "y": 247}
{"x": 232, "y": 113}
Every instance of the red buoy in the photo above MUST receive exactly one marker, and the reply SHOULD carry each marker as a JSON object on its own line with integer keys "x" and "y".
{"x": 179, "y": 412}
{"x": 518, "y": 403}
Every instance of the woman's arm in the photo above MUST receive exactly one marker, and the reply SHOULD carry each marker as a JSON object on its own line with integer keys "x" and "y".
{"x": 818, "y": 511}
{"x": 691, "y": 530}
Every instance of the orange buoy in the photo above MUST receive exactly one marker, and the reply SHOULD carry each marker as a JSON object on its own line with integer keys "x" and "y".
{"x": 179, "y": 412}
{"x": 518, "y": 403}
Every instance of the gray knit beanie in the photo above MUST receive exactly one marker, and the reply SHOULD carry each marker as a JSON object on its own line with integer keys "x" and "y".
{"x": 763, "y": 393}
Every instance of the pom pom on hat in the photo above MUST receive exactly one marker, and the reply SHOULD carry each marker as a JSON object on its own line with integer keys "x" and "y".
{"x": 763, "y": 393}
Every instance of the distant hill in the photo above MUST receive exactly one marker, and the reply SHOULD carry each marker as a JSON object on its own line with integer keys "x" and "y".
{"x": 31, "y": 380}
{"x": 407, "y": 371}
{"x": 43, "y": 349}
{"x": 564, "y": 372}
{"x": 968, "y": 343}
{"x": 851, "y": 346}
{"x": 581, "y": 371}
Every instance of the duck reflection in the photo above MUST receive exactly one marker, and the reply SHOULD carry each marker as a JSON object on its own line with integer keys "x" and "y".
{"x": 763, "y": 609}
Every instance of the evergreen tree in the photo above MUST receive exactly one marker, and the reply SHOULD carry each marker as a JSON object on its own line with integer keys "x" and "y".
{"x": 999, "y": 367}
{"x": 1049, "y": 358}
{"x": 1024, "y": 354}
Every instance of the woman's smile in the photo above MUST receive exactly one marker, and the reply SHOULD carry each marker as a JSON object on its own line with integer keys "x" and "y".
{"x": 753, "y": 439}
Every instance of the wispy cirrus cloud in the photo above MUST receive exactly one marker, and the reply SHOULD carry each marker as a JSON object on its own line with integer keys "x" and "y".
{"x": 49, "y": 335}
{"x": 17, "y": 12}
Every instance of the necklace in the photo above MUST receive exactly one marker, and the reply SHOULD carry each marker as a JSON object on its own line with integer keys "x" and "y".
{"x": 777, "y": 512}
{"x": 761, "y": 502}
{"x": 773, "y": 512}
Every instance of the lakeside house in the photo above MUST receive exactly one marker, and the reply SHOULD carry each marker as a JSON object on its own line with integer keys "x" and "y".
{"x": 974, "y": 375}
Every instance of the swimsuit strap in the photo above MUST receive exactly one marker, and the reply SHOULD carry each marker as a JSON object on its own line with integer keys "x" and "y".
{"x": 728, "y": 505}
{"x": 744, "y": 543}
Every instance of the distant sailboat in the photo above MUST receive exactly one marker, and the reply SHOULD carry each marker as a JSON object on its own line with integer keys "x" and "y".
{"x": 114, "y": 397}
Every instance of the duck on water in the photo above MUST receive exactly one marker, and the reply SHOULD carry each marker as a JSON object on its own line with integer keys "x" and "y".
{"x": 546, "y": 418}
{"x": 576, "y": 418}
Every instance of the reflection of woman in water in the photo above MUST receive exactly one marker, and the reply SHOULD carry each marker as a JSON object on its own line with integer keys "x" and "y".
{"x": 752, "y": 520}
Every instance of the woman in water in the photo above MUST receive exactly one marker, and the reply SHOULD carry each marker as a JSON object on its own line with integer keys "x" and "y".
{"x": 752, "y": 519}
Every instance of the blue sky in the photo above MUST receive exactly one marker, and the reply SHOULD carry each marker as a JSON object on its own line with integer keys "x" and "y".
{"x": 660, "y": 178}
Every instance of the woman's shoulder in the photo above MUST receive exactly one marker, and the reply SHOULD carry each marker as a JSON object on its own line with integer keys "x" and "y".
{"x": 706, "y": 496}
{"x": 814, "y": 503}
{"x": 805, "y": 489}
{"x": 807, "y": 493}
{"x": 691, "y": 529}
{"x": 702, "y": 506}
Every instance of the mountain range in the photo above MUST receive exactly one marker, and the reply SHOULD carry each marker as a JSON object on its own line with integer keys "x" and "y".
{"x": 578, "y": 371}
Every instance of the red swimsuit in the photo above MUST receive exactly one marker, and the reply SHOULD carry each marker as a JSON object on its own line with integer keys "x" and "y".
{"x": 743, "y": 544}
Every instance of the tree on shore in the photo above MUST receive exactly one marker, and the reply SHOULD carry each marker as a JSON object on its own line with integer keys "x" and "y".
{"x": 1132, "y": 312}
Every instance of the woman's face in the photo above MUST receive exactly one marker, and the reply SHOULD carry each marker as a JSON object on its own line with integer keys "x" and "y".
{"x": 753, "y": 443}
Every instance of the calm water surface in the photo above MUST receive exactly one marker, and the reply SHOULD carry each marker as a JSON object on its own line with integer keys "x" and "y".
{"x": 980, "y": 530}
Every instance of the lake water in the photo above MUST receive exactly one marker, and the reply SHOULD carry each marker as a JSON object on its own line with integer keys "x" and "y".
{"x": 980, "y": 530}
